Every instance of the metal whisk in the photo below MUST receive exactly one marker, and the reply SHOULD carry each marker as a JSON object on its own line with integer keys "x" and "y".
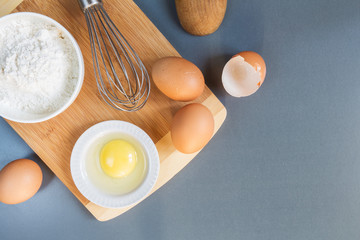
{"x": 122, "y": 79}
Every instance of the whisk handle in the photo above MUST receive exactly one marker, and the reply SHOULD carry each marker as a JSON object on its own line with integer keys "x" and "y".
{"x": 84, "y": 4}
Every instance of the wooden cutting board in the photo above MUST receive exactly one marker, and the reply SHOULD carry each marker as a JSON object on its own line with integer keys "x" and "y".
{"x": 54, "y": 139}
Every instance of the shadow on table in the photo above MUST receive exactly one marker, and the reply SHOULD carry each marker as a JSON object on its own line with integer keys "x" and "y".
{"x": 172, "y": 8}
{"x": 48, "y": 175}
{"x": 212, "y": 73}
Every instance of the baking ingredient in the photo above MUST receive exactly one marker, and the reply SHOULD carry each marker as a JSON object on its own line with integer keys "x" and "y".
{"x": 102, "y": 179}
{"x": 19, "y": 181}
{"x": 201, "y": 17}
{"x": 38, "y": 66}
{"x": 243, "y": 74}
{"x": 178, "y": 78}
{"x": 192, "y": 128}
{"x": 118, "y": 158}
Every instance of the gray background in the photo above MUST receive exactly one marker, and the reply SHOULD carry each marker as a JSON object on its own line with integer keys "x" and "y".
{"x": 285, "y": 164}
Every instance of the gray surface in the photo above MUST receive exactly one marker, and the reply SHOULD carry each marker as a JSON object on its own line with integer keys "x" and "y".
{"x": 285, "y": 165}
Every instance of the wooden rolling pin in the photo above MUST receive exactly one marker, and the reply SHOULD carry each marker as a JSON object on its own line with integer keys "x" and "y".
{"x": 201, "y": 17}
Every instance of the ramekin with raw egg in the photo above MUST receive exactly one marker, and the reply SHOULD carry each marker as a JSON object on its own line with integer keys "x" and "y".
{"x": 114, "y": 164}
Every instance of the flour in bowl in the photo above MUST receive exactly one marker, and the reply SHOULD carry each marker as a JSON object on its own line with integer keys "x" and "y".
{"x": 38, "y": 66}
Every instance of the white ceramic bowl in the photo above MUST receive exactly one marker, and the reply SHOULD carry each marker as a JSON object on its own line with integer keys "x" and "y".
{"x": 25, "y": 117}
{"x": 87, "y": 187}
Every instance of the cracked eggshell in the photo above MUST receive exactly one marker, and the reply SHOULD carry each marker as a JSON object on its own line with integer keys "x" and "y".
{"x": 243, "y": 74}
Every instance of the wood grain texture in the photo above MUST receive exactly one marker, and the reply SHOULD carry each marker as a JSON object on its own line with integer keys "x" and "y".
{"x": 54, "y": 139}
{"x": 7, "y": 6}
{"x": 201, "y": 17}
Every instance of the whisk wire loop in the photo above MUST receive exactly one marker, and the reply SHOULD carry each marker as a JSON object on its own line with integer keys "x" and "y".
{"x": 121, "y": 77}
{"x": 110, "y": 79}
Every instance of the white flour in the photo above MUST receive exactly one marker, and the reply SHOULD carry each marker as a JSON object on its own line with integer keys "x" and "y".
{"x": 38, "y": 66}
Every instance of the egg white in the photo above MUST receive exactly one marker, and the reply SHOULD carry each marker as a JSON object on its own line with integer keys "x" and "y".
{"x": 105, "y": 183}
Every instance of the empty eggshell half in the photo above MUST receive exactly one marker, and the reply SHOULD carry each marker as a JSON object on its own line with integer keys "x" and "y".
{"x": 243, "y": 74}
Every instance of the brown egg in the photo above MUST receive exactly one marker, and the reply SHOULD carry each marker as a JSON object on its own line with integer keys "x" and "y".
{"x": 19, "y": 181}
{"x": 192, "y": 128}
{"x": 178, "y": 78}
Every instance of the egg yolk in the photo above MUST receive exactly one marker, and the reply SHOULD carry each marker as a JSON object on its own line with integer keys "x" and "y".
{"x": 118, "y": 158}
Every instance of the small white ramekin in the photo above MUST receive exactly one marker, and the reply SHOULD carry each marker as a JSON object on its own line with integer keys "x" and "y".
{"x": 79, "y": 158}
{"x": 24, "y": 117}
